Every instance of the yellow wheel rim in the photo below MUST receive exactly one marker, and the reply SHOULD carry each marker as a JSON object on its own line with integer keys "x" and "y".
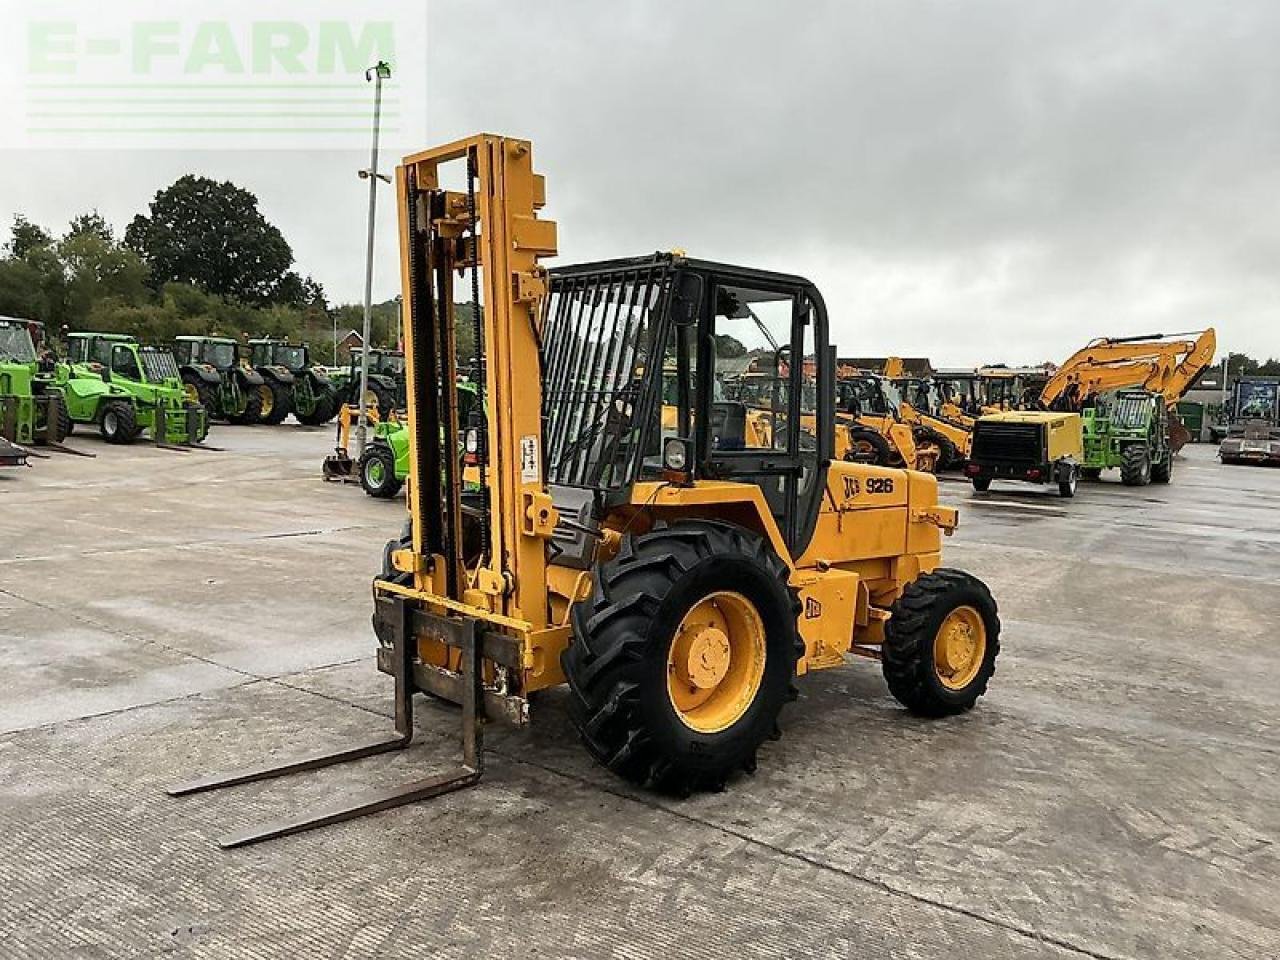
{"x": 863, "y": 446}
{"x": 267, "y": 396}
{"x": 716, "y": 662}
{"x": 193, "y": 395}
{"x": 371, "y": 400}
{"x": 959, "y": 648}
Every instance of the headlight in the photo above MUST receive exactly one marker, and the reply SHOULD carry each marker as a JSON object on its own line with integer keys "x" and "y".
{"x": 675, "y": 454}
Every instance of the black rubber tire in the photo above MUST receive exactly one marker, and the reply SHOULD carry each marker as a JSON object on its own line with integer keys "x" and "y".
{"x": 65, "y": 425}
{"x": 202, "y": 431}
{"x": 981, "y": 484}
{"x": 948, "y": 456}
{"x": 324, "y": 410}
{"x": 386, "y": 400}
{"x": 1067, "y": 488}
{"x": 118, "y": 422}
{"x": 616, "y": 661}
{"x": 281, "y": 402}
{"x": 1090, "y": 473}
{"x": 207, "y": 394}
{"x": 1135, "y": 466}
{"x": 912, "y": 630}
{"x": 881, "y": 447}
{"x": 1162, "y": 472}
{"x": 382, "y": 454}
{"x": 252, "y": 412}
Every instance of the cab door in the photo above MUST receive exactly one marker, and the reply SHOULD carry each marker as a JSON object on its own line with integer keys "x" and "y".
{"x": 764, "y": 423}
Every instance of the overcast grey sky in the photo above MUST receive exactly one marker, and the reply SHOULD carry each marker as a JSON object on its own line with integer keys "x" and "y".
{"x": 972, "y": 180}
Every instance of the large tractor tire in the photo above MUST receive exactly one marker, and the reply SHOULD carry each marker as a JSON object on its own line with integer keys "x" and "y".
{"x": 683, "y": 656}
{"x": 251, "y": 413}
{"x": 326, "y": 407}
{"x": 384, "y": 398}
{"x": 948, "y": 456}
{"x": 941, "y": 643}
{"x": 1135, "y": 465}
{"x": 198, "y": 391}
{"x": 65, "y": 424}
{"x": 1162, "y": 472}
{"x": 865, "y": 442}
{"x": 118, "y": 422}
{"x": 275, "y": 402}
{"x": 377, "y": 466}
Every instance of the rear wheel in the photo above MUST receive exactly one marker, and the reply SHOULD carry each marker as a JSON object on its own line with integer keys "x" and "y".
{"x": 948, "y": 456}
{"x": 118, "y": 422}
{"x": 323, "y": 411}
{"x": 981, "y": 484}
{"x": 197, "y": 391}
{"x": 941, "y": 643}
{"x": 1135, "y": 465}
{"x": 251, "y": 411}
{"x": 378, "y": 471}
{"x": 866, "y": 445}
{"x": 274, "y": 401}
{"x": 683, "y": 656}
{"x": 1162, "y": 472}
{"x": 1067, "y": 488}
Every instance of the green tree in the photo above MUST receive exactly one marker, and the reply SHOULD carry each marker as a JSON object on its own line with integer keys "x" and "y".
{"x": 26, "y": 236}
{"x": 97, "y": 268}
{"x": 212, "y": 235}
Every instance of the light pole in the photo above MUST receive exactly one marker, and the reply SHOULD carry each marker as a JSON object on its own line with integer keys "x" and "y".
{"x": 377, "y": 73}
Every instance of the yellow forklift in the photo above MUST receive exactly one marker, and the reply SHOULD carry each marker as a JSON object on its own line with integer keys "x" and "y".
{"x": 678, "y": 578}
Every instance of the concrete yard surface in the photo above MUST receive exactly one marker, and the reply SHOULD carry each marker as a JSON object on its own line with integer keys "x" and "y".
{"x": 165, "y": 615}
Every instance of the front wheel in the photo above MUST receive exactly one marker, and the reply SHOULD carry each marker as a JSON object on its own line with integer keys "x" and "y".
{"x": 1135, "y": 466}
{"x": 868, "y": 446}
{"x": 1067, "y": 487}
{"x": 250, "y": 411}
{"x": 378, "y": 472}
{"x": 118, "y": 422}
{"x": 683, "y": 656}
{"x": 941, "y": 643}
{"x": 1162, "y": 472}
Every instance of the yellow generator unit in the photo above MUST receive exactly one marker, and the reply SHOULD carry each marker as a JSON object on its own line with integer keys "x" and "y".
{"x": 1033, "y": 446}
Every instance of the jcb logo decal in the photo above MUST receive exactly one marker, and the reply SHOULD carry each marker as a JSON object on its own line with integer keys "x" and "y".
{"x": 851, "y": 487}
{"x": 812, "y": 609}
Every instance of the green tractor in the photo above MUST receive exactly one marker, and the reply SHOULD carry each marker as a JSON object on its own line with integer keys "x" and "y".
{"x": 386, "y": 380}
{"x": 213, "y": 376}
{"x": 30, "y": 411}
{"x": 145, "y": 390}
{"x": 296, "y": 385}
{"x": 1129, "y": 430}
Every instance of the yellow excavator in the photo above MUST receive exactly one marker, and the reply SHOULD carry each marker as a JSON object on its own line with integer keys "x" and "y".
{"x": 678, "y": 580}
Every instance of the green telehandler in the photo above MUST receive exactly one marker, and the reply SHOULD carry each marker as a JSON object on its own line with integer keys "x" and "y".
{"x": 146, "y": 390}
{"x": 213, "y": 377}
{"x": 30, "y": 412}
{"x": 296, "y": 384}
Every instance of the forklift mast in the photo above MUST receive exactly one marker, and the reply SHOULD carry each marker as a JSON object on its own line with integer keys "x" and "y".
{"x": 491, "y": 231}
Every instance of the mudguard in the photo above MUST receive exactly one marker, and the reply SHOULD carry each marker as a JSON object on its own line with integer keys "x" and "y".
{"x": 249, "y": 378}
{"x": 278, "y": 374}
{"x": 204, "y": 371}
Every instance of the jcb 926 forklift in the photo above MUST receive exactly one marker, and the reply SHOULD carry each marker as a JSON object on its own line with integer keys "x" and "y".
{"x": 679, "y": 580}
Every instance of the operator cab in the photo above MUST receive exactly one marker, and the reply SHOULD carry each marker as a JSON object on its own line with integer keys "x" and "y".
{"x": 664, "y": 367}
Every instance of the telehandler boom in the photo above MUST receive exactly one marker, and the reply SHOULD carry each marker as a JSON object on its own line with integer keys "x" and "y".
{"x": 679, "y": 579}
